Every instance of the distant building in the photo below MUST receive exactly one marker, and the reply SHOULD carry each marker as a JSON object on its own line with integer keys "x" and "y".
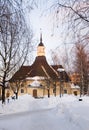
{"x": 40, "y": 78}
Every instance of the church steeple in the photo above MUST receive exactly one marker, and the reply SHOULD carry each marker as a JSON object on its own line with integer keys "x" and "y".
{"x": 41, "y": 44}
{"x": 41, "y": 38}
{"x": 41, "y": 48}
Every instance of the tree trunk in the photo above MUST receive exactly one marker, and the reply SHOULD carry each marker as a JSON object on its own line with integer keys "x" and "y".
{"x": 16, "y": 95}
{"x": 3, "y": 94}
{"x": 48, "y": 93}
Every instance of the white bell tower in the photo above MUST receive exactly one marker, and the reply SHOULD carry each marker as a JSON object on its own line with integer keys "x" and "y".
{"x": 41, "y": 48}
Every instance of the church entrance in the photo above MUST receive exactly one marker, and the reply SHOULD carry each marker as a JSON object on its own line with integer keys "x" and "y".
{"x": 75, "y": 93}
{"x": 35, "y": 93}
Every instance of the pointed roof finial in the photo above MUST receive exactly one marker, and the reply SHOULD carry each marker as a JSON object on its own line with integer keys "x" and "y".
{"x": 40, "y": 35}
{"x": 41, "y": 44}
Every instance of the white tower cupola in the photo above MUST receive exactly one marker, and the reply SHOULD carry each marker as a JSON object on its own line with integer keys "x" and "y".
{"x": 41, "y": 48}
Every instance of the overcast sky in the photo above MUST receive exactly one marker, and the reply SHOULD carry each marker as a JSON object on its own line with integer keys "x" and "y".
{"x": 44, "y": 20}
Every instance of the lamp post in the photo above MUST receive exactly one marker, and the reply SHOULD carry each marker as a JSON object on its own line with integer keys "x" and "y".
{"x": 60, "y": 70}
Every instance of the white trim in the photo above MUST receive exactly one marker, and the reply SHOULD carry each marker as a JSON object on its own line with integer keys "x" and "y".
{"x": 45, "y": 71}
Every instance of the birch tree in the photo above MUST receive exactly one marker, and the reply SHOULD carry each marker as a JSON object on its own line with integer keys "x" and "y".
{"x": 15, "y": 40}
{"x": 75, "y": 17}
{"x": 81, "y": 66}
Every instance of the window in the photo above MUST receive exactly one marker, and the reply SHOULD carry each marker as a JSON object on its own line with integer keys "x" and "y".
{"x": 22, "y": 90}
{"x": 65, "y": 91}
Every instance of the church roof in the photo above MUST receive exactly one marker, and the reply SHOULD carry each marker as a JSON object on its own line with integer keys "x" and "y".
{"x": 40, "y": 67}
{"x": 21, "y": 73}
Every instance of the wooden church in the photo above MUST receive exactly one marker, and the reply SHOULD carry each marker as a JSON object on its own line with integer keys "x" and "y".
{"x": 41, "y": 79}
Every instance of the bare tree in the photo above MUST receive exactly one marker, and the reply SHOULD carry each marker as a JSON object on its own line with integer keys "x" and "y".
{"x": 81, "y": 66}
{"x": 59, "y": 56}
{"x": 74, "y": 18}
{"x": 48, "y": 83}
{"x": 54, "y": 56}
{"x": 15, "y": 40}
{"x": 16, "y": 86}
{"x": 75, "y": 14}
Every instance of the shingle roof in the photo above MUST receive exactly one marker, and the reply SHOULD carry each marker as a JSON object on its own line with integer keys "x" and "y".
{"x": 21, "y": 73}
{"x": 64, "y": 75}
{"x": 40, "y": 67}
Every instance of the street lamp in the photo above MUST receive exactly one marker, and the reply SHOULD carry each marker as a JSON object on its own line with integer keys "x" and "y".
{"x": 60, "y": 70}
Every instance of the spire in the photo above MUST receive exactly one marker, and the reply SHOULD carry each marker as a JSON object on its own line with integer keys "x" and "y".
{"x": 41, "y": 44}
{"x": 41, "y": 37}
{"x": 41, "y": 48}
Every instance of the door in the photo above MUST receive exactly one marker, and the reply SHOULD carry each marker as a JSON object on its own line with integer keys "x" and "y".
{"x": 35, "y": 93}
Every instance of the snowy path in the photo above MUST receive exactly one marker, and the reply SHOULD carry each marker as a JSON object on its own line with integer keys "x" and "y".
{"x": 28, "y": 120}
{"x": 58, "y": 115}
{"x": 46, "y": 119}
{"x": 21, "y": 114}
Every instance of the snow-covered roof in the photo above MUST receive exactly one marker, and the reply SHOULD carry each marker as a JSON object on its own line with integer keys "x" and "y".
{"x": 74, "y": 86}
{"x": 36, "y": 78}
{"x": 35, "y": 83}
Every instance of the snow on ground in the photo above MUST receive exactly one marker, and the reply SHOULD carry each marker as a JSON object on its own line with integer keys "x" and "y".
{"x": 54, "y": 113}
